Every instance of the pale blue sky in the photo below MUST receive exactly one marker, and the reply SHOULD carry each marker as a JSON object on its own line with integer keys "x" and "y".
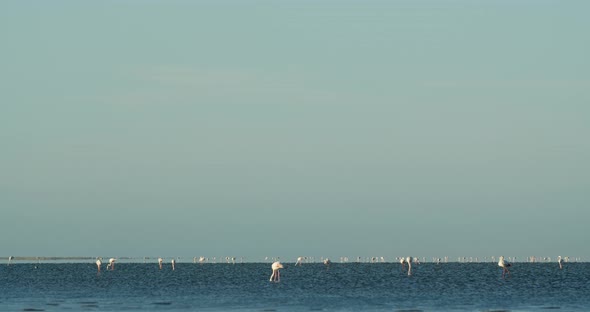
{"x": 285, "y": 128}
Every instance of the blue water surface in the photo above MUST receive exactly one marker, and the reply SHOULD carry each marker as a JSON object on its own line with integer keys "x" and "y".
{"x": 310, "y": 287}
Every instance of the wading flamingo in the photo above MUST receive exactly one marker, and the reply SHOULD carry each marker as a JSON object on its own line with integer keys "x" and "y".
{"x": 160, "y": 260}
{"x": 98, "y": 264}
{"x": 504, "y": 265}
{"x": 402, "y": 261}
{"x": 111, "y": 264}
{"x": 299, "y": 261}
{"x": 276, "y": 274}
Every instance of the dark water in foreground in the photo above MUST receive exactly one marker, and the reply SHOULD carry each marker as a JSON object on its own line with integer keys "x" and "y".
{"x": 311, "y": 287}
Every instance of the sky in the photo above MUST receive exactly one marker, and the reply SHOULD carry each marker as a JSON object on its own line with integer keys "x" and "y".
{"x": 288, "y": 128}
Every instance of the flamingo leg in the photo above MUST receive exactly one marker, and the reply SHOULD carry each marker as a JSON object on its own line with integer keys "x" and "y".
{"x": 504, "y": 271}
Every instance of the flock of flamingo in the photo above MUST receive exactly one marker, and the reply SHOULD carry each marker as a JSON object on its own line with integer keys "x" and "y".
{"x": 406, "y": 263}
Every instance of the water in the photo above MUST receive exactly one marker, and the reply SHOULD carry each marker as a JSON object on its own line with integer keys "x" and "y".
{"x": 311, "y": 287}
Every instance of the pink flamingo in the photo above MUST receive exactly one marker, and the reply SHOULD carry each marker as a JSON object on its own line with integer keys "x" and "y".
{"x": 98, "y": 264}
{"x": 276, "y": 274}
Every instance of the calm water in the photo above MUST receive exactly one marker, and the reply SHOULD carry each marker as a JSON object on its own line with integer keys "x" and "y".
{"x": 311, "y": 287}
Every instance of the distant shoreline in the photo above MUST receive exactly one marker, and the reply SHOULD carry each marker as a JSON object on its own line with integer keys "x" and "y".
{"x": 15, "y": 258}
{"x": 30, "y": 259}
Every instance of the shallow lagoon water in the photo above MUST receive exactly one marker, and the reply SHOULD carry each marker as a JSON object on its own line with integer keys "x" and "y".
{"x": 311, "y": 287}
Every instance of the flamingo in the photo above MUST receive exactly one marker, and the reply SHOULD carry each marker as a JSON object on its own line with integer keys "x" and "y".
{"x": 299, "y": 261}
{"x": 402, "y": 261}
{"x": 409, "y": 261}
{"x": 276, "y": 274}
{"x": 504, "y": 265}
{"x": 327, "y": 262}
{"x": 10, "y": 259}
{"x": 111, "y": 264}
{"x": 173, "y": 263}
{"x": 98, "y": 264}
{"x": 559, "y": 261}
{"x": 160, "y": 260}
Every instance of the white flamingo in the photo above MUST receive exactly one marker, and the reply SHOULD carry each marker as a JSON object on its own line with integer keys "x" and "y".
{"x": 504, "y": 265}
{"x": 173, "y": 263}
{"x": 276, "y": 274}
{"x": 409, "y": 261}
{"x": 299, "y": 261}
{"x": 10, "y": 259}
{"x": 111, "y": 264}
{"x": 327, "y": 262}
{"x": 402, "y": 261}
{"x": 160, "y": 261}
{"x": 559, "y": 261}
